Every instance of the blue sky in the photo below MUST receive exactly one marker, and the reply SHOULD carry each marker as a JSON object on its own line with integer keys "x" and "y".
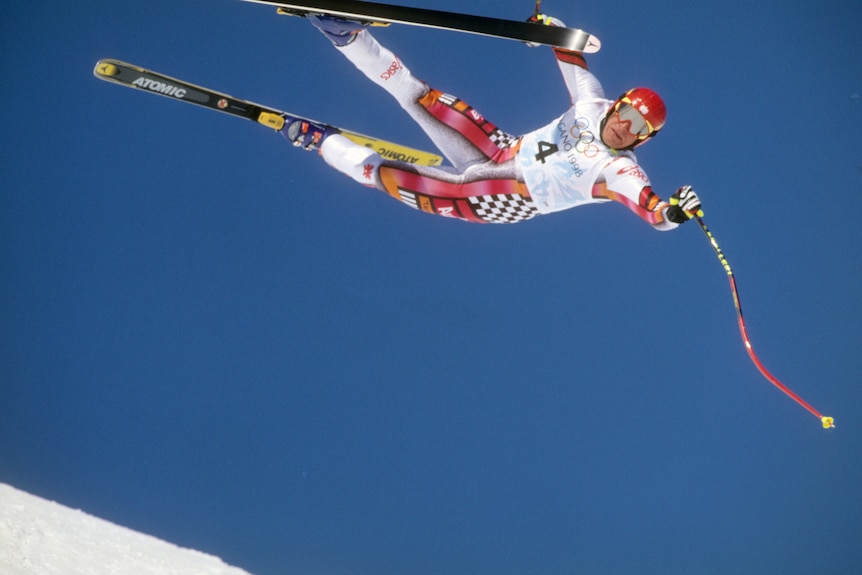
{"x": 210, "y": 336}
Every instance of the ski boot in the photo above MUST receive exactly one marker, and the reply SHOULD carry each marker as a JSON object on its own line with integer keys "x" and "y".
{"x": 339, "y": 31}
{"x": 305, "y": 134}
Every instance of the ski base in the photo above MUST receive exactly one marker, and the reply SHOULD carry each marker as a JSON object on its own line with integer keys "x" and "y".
{"x": 136, "y": 77}
{"x": 374, "y": 12}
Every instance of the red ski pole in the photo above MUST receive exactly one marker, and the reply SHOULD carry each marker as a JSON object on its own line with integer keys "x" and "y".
{"x": 825, "y": 420}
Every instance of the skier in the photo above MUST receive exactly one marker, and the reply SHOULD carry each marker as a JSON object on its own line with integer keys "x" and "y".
{"x": 584, "y": 156}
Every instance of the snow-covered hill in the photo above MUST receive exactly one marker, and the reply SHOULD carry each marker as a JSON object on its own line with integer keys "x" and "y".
{"x": 39, "y": 537}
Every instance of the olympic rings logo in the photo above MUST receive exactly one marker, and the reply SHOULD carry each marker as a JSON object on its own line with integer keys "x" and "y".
{"x": 584, "y": 139}
{"x": 577, "y": 142}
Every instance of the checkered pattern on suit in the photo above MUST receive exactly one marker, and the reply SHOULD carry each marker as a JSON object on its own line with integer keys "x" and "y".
{"x": 501, "y": 139}
{"x": 503, "y": 208}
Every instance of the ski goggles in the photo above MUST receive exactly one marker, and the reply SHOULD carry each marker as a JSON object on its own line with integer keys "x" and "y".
{"x": 638, "y": 125}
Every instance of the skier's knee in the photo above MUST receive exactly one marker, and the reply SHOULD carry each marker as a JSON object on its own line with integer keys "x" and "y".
{"x": 351, "y": 159}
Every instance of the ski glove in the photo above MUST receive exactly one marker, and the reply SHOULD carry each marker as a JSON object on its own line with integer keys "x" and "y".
{"x": 684, "y": 205}
{"x": 547, "y": 21}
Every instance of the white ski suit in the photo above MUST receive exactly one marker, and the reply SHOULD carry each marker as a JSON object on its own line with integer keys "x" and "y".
{"x": 496, "y": 177}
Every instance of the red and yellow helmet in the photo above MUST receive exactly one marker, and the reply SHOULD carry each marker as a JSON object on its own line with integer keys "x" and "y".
{"x": 645, "y": 111}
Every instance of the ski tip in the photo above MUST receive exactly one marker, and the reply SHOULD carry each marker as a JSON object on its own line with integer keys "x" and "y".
{"x": 106, "y": 68}
{"x": 593, "y": 45}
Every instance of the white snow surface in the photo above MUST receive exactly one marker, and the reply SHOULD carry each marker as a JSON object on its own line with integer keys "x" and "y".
{"x": 40, "y": 537}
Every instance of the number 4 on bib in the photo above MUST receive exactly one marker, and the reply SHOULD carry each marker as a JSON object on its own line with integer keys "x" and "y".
{"x": 546, "y": 149}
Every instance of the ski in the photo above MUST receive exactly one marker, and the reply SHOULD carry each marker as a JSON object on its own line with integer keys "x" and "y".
{"x": 374, "y": 12}
{"x": 136, "y": 77}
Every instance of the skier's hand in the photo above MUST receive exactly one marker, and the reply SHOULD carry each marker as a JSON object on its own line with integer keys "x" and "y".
{"x": 684, "y": 205}
{"x": 547, "y": 21}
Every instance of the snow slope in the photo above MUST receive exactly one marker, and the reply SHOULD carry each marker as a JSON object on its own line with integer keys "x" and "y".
{"x": 39, "y": 537}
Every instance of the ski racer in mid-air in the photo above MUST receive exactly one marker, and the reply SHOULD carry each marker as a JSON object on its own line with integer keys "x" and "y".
{"x": 584, "y": 156}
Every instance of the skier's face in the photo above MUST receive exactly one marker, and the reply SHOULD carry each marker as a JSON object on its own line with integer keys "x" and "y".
{"x": 617, "y": 133}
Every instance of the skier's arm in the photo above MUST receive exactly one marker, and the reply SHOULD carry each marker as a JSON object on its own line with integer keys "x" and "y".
{"x": 580, "y": 82}
{"x": 625, "y": 182}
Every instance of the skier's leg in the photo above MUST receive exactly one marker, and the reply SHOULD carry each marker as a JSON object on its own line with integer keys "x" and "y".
{"x": 487, "y": 192}
{"x": 383, "y": 68}
{"x": 353, "y": 160}
{"x": 458, "y": 131}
